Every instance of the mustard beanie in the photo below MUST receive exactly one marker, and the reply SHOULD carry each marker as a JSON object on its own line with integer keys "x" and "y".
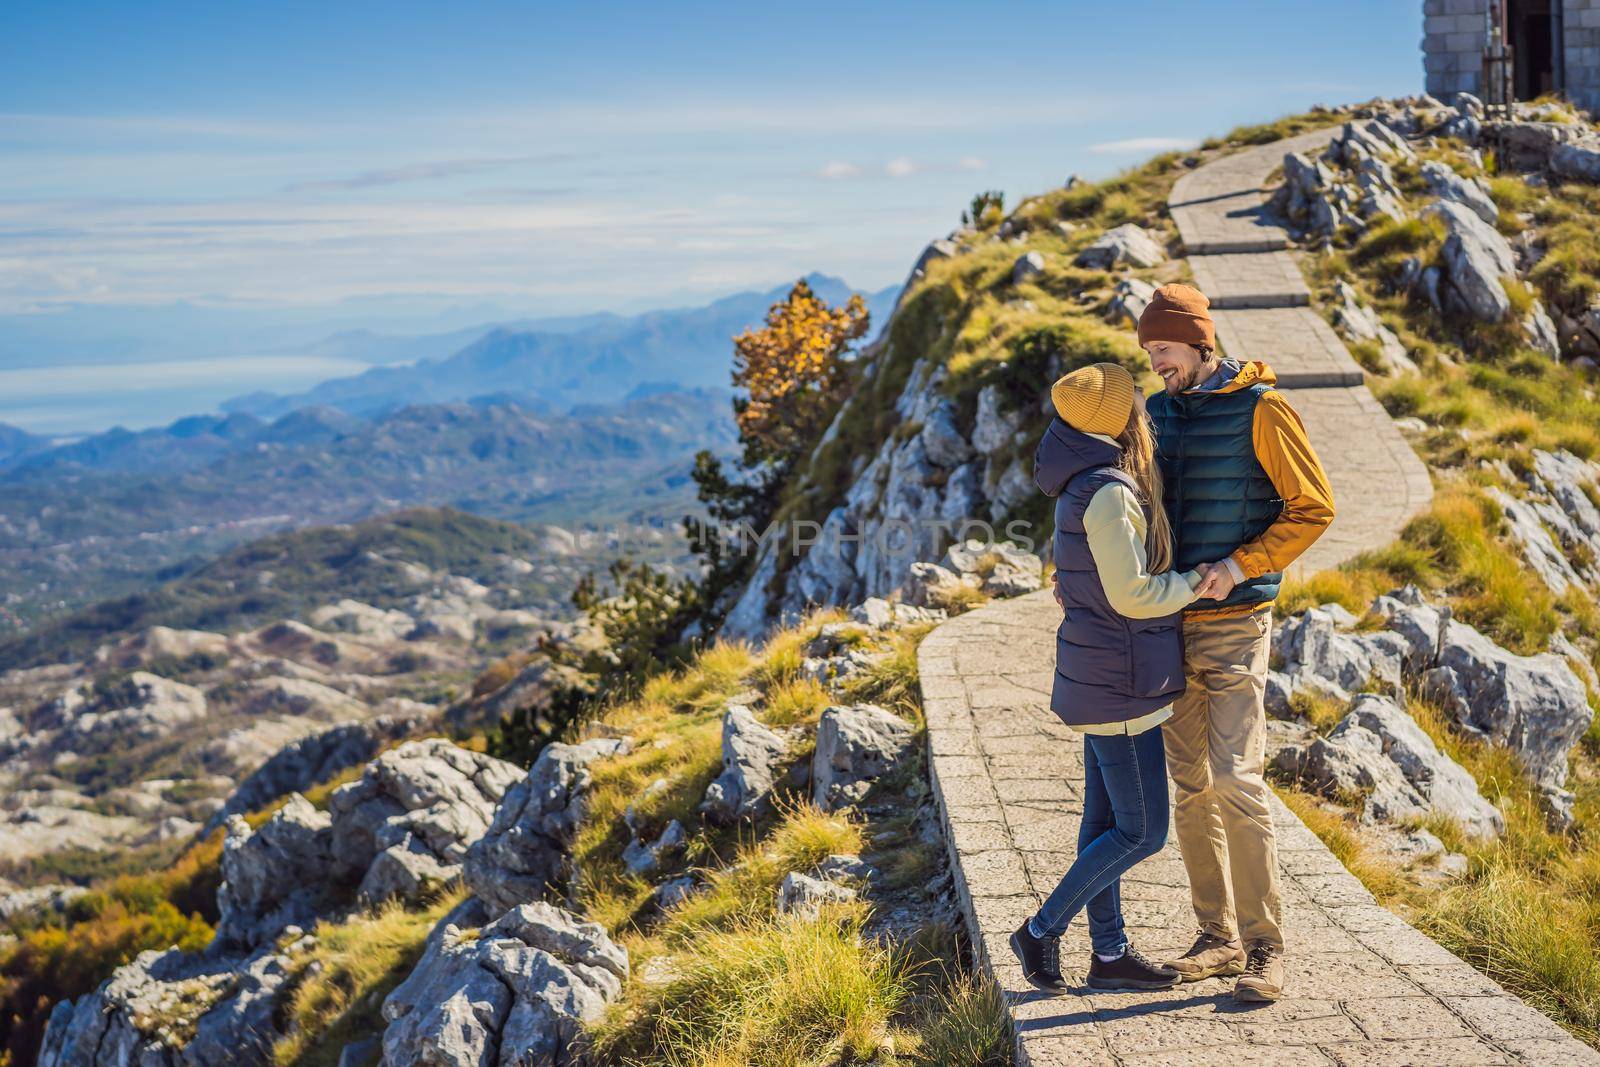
{"x": 1095, "y": 399}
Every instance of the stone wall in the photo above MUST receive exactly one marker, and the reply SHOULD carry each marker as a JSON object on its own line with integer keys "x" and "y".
{"x": 1452, "y": 46}
{"x": 1581, "y": 37}
{"x": 1453, "y": 33}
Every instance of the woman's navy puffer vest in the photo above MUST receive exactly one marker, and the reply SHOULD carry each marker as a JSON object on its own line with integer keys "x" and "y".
{"x": 1218, "y": 495}
{"x": 1109, "y": 668}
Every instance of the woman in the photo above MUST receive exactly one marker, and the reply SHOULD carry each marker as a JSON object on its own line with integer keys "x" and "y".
{"x": 1119, "y": 662}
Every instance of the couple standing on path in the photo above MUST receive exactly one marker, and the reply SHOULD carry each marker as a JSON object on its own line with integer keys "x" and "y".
{"x": 1175, "y": 519}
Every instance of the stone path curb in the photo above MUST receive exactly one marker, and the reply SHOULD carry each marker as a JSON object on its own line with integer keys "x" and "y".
{"x": 1365, "y": 988}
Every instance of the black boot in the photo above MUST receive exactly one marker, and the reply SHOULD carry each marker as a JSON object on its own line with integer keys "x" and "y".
{"x": 1130, "y": 971}
{"x": 1040, "y": 958}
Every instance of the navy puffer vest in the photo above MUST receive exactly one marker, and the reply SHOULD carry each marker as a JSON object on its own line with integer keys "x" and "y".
{"x": 1218, "y": 495}
{"x": 1109, "y": 668}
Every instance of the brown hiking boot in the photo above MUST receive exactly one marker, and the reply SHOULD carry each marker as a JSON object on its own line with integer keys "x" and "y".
{"x": 1208, "y": 956}
{"x": 1262, "y": 980}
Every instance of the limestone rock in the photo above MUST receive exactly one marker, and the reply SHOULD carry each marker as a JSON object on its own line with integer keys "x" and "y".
{"x": 140, "y": 1014}
{"x": 929, "y": 585}
{"x": 855, "y": 747}
{"x": 751, "y": 754}
{"x": 274, "y": 877}
{"x": 805, "y": 896}
{"x": 1476, "y": 259}
{"x": 1379, "y": 753}
{"x": 1580, "y": 160}
{"x": 1446, "y": 184}
{"x": 1534, "y": 705}
{"x": 1319, "y": 654}
{"x": 1361, "y": 323}
{"x": 1027, "y": 266}
{"x": 518, "y": 993}
{"x": 943, "y": 441}
{"x": 1130, "y": 297}
{"x": 525, "y": 846}
{"x": 428, "y": 795}
{"x": 1128, "y": 243}
{"x": 311, "y": 760}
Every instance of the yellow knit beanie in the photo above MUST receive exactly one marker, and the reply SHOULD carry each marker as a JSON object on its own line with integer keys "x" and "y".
{"x": 1095, "y": 399}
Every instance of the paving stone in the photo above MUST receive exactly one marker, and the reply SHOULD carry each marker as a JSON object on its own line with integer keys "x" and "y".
{"x": 1399, "y": 1018}
{"x": 1445, "y": 1052}
{"x": 1557, "y": 1052}
{"x": 1503, "y": 1018}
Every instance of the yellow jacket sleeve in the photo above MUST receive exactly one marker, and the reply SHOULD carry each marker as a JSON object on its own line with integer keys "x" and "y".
{"x": 1285, "y": 453}
{"x": 1116, "y": 526}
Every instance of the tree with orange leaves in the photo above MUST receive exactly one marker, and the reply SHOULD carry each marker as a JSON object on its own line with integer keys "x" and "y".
{"x": 794, "y": 373}
{"x": 792, "y": 370}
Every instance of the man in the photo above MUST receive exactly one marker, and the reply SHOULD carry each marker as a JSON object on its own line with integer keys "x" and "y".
{"x": 1245, "y": 491}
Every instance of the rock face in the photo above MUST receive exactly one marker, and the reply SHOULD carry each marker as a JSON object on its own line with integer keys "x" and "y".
{"x": 276, "y": 876}
{"x": 146, "y": 1012}
{"x": 1026, "y": 266}
{"x": 304, "y": 763}
{"x": 1000, "y": 570}
{"x": 515, "y": 996}
{"x": 525, "y": 846}
{"x": 1446, "y": 184}
{"x": 1319, "y": 655}
{"x": 419, "y": 806}
{"x": 1361, "y": 323}
{"x": 1378, "y": 752}
{"x": 855, "y": 747}
{"x": 1476, "y": 259}
{"x": 1131, "y": 297}
{"x": 804, "y": 895}
{"x": 751, "y": 755}
{"x": 1128, "y": 243}
{"x": 1534, "y": 705}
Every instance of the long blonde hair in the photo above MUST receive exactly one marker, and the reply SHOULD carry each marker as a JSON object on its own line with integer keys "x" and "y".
{"x": 1138, "y": 461}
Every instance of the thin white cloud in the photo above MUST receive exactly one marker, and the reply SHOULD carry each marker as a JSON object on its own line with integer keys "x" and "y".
{"x": 418, "y": 172}
{"x": 835, "y": 169}
{"x": 972, "y": 163}
{"x": 1142, "y": 144}
{"x": 901, "y": 167}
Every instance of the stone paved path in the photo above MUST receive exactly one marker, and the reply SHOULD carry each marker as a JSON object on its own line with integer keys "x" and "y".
{"x": 1366, "y": 990}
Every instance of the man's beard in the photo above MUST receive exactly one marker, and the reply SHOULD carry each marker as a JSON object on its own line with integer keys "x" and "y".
{"x": 1181, "y": 383}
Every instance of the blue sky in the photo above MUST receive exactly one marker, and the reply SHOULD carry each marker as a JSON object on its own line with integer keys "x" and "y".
{"x": 391, "y": 162}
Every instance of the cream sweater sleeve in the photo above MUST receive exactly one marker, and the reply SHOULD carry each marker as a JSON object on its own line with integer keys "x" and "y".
{"x": 1116, "y": 528}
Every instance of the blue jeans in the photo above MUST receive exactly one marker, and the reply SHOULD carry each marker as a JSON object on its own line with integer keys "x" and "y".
{"x": 1124, "y": 821}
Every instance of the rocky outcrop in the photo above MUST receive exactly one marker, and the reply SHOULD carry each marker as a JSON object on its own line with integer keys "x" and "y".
{"x": 752, "y": 756}
{"x": 1476, "y": 260}
{"x": 1000, "y": 570}
{"x": 1361, "y": 323}
{"x": 1534, "y": 705}
{"x": 855, "y": 747}
{"x": 518, "y": 993}
{"x": 524, "y": 849}
{"x": 418, "y": 807}
{"x": 1473, "y": 194}
{"x": 1128, "y": 243}
{"x": 805, "y": 896}
{"x": 275, "y": 877}
{"x": 312, "y": 760}
{"x": 1379, "y": 756}
{"x": 1027, "y": 266}
{"x": 174, "y": 1009}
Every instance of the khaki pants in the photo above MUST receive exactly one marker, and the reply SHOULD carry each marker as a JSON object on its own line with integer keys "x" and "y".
{"x": 1215, "y": 753}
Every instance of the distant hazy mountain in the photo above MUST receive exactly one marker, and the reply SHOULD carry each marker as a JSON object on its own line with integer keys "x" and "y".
{"x": 15, "y": 444}
{"x": 597, "y": 360}
{"x": 111, "y": 515}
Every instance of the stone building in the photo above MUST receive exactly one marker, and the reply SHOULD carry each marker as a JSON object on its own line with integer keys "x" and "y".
{"x": 1528, "y": 46}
